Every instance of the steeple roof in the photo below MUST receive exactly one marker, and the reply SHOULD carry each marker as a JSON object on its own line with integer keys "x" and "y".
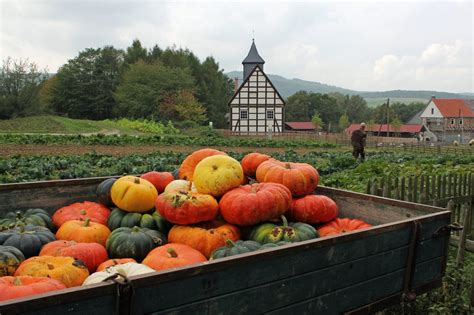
{"x": 253, "y": 56}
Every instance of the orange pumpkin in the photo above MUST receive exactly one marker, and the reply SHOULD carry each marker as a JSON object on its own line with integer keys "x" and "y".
{"x": 186, "y": 170}
{"x": 173, "y": 256}
{"x": 113, "y": 262}
{"x": 342, "y": 225}
{"x": 133, "y": 194}
{"x": 184, "y": 207}
{"x": 252, "y": 204}
{"x": 71, "y": 272}
{"x": 83, "y": 232}
{"x": 96, "y": 212}
{"x": 300, "y": 178}
{"x": 17, "y": 287}
{"x": 251, "y": 161}
{"x": 92, "y": 254}
{"x": 204, "y": 237}
{"x": 313, "y": 209}
{"x": 159, "y": 179}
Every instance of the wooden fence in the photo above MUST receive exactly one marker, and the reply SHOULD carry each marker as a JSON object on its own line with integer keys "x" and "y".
{"x": 451, "y": 191}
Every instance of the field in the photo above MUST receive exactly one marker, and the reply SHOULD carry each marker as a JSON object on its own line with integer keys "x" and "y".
{"x": 34, "y": 157}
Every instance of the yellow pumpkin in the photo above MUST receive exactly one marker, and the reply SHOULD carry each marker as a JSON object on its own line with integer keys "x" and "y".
{"x": 217, "y": 174}
{"x": 180, "y": 185}
{"x": 133, "y": 194}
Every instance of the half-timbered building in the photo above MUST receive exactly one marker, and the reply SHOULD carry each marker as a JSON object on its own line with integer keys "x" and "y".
{"x": 256, "y": 107}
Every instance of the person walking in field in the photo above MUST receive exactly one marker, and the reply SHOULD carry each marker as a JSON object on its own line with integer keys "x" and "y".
{"x": 358, "y": 141}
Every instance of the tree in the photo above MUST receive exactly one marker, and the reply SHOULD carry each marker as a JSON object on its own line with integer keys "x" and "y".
{"x": 396, "y": 124}
{"x": 147, "y": 87}
{"x": 344, "y": 122}
{"x": 297, "y": 107}
{"x": 189, "y": 109}
{"x": 20, "y": 82}
{"x": 325, "y": 106}
{"x": 406, "y": 112}
{"x": 86, "y": 84}
{"x": 317, "y": 121}
{"x": 135, "y": 52}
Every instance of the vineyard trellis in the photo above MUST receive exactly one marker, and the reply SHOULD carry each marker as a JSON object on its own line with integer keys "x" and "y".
{"x": 455, "y": 191}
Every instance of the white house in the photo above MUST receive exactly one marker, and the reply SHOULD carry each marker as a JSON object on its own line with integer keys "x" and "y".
{"x": 256, "y": 107}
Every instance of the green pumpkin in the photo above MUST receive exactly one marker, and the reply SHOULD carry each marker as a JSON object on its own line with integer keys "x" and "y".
{"x": 103, "y": 192}
{"x": 10, "y": 259}
{"x": 235, "y": 248}
{"x": 272, "y": 245}
{"x": 37, "y": 217}
{"x": 27, "y": 238}
{"x": 293, "y": 232}
{"x": 152, "y": 220}
{"x": 134, "y": 242}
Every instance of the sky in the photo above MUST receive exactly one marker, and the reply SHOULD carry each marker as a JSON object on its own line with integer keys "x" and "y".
{"x": 359, "y": 45}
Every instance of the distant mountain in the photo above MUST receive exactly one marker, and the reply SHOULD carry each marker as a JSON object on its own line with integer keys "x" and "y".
{"x": 288, "y": 87}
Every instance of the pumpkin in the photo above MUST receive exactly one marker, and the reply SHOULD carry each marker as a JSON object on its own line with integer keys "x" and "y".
{"x": 272, "y": 245}
{"x": 300, "y": 178}
{"x": 71, "y": 272}
{"x": 129, "y": 269}
{"x": 113, "y": 262}
{"x": 92, "y": 254}
{"x": 180, "y": 185}
{"x": 313, "y": 209}
{"x": 103, "y": 192}
{"x": 251, "y": 161}
{"x": 152, "y": 220}
{"x": 10, "y": 258}
{"x": 37, "y": 217}
{"x": 217, "y": 174}
{"x": 252, "y": 204}
{"x": 235, "y": 248}
{"x": 133, "y": 194}
{"x": 83, "y": 232}
{"x": 273, "y": 233}
{"x": 186, "y": 170}
{"x": 204, "y": 237}
{"x": 28, "y": 239}
{"x": 183, "y": 207}
{"x": 96, "y": 212}
{"x": 173, "y": 256}
{"x": 17, "y": 287}
{"x": 159, "y": 179}
{"x": 133, "y": 242}
{"x": 342, "y": 225}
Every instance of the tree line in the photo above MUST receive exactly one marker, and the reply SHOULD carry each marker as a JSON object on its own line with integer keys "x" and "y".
{"x": 164, "y": 85}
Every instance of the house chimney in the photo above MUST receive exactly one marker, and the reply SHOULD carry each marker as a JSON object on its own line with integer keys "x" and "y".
{"x": 236, "y": 84}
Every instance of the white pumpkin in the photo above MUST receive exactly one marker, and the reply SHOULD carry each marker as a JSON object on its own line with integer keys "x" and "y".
{"x": 180, "y": 184}
{"x": 127, "y": 269}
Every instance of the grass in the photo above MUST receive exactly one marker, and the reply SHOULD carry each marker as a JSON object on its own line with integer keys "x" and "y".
{"x": 60, "y": 125}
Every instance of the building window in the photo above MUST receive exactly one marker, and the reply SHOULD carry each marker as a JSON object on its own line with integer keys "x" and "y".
{"x": 244, "y": 114}
{"x": 432, "y": 111}
{"x": 270, "y": 114}
{"x": 460, "y": 121}
{"x": 452, "y": 121}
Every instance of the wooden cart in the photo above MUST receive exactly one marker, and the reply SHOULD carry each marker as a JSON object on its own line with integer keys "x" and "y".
{"x": 403, "y": 255}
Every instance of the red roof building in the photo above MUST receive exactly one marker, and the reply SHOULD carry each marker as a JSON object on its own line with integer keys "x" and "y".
{"x": 299, "y": 126}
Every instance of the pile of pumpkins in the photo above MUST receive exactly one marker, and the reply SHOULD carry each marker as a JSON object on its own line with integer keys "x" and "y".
{"x": 212, "y": 207}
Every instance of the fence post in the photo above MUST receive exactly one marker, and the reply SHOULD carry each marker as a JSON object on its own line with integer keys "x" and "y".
{"x": 462, "y": 238}
{"x": 410, "y": 189}
{"x": 415, "y": 189}
{"x": 402, "y": 189}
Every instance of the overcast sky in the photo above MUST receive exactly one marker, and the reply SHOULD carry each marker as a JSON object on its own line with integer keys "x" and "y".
{"x": 370, "y": 45}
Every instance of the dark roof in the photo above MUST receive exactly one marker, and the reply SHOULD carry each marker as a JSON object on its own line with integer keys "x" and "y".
{"x": 253, "y": 56}
{"x": 416, "y": 119}
{"x": 300, "y": 125}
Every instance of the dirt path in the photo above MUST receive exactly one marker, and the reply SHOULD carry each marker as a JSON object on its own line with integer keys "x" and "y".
{"x": 71, "y": 149}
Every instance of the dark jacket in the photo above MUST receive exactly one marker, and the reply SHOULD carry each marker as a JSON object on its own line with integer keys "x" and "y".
{"x": 358, "y": 138}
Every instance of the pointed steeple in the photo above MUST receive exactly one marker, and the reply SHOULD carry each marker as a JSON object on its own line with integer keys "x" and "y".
{"x": 252, "y": 59}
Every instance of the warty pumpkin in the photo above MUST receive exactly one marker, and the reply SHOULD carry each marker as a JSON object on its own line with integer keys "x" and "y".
{"x": 288, "y": 232}
{"x": 71, "y": 272}
{"x": 252, "y": 204}
{"x": 300, "y": 178}
{"x": 92, "y": 254}
{"x": 184, "y": 207}
{"x": 204, "y": 237}
{"x": 173, "y": 256}
{"x": 313, "y": 209}
{"x": 186, "y": 170}
{"x": 18, "y": 287}
{"x": 10, "y": 258}
{"x": 94, "y": 211}
{"x": 134, "y": 194}
{"x": 83, "y": 232}
{"x": 342, "y": 225}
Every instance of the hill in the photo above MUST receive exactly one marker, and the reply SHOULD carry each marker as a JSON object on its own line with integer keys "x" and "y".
{"x": 288, "y": 87}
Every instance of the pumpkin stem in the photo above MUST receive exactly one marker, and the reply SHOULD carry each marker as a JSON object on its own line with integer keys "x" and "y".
{"x": 137, "y": 180}
{"x": 288, "y": 166}
{"x": 285, "y": 221}
{"x": 190, "y": 186}
{"x": 135, "y": 229}
{"x": 17, "y": 281}
{"x": 172, "y": 252}
{"x": 87, "y": 222}
{"x": 50, "y": 266}
{"x": 18, "y": 215}
{"x": 229, "y": 243}
{"x": 83, "y": 212}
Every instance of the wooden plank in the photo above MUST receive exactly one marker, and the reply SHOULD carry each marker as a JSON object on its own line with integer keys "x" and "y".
{"x": 410, "y": 189}
{"x": 402, "y": 189}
